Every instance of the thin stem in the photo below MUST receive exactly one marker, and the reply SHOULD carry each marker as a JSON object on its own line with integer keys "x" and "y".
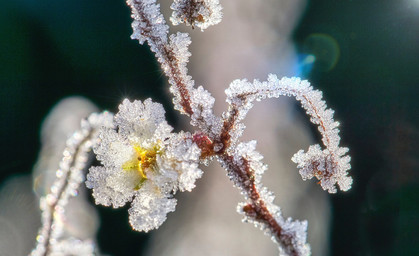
{"x": 68, "y": 179}
{"x": 165, "y": 55}
{"x": 256, "y": 209}
{"x": 176, "y": 74}
{"x": 61, "y": 192}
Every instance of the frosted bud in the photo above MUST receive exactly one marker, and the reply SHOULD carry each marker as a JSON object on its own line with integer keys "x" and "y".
{"x": 330, "y": 169}
{"x": 199, "y": 13}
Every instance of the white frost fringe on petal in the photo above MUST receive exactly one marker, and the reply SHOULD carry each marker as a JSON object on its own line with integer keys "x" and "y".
{"x": 149, "y": 211}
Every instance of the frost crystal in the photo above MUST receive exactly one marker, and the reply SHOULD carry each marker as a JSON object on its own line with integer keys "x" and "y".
{"x": 146, "y": 14}
{"x": 203, "y": 116}
{"x": 330, "y": 165}
{"x": 328, "y": 168}
{"x": 175, "y": 68}
{"x": 200, "y": 13}
{"x": 143, "y": 162}
{"x": 173, "y": 55}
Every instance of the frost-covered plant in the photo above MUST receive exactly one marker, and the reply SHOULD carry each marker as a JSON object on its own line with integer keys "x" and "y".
{"x": 145, "y": 163}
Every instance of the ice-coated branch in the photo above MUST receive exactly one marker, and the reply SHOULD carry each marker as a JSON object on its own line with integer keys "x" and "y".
{"x": 51, "y": 239}
{"x": 245, "y": 169}
{"x": 144, "y": 163}
{"x": 149, "y": 25}
{"x": 173, "y": 55}
{"x": 329, "y": 165}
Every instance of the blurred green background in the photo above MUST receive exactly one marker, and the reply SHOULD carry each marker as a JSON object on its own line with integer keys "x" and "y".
{"x": 364, "y": 56}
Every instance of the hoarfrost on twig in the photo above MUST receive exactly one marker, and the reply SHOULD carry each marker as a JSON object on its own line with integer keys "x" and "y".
{"x": 245, "y": 168}
{"x": 173, "y": 55}
{"x": 50, "y": 239}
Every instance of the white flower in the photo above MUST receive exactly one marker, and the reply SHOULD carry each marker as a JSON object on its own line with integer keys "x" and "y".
{"x": 143, "y": 162}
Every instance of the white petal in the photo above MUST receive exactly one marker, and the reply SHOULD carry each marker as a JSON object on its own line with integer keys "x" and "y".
{"x": 124, "y": 182}
{"x": 149, "y": 209}
{"x": 113, "y": 150}
{"x": 105, "y": 195}
{"x": 164, "y": 177}
{"x": 137, "y": 120}
{"x": 182, "y": 155}
{"x": 162, "y": 132}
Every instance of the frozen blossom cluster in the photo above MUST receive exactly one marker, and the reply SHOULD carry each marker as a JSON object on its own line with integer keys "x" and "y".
{"x": 144, "y": 163}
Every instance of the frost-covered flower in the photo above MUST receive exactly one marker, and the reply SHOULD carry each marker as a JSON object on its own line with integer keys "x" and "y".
{"x": 143, "y": 162}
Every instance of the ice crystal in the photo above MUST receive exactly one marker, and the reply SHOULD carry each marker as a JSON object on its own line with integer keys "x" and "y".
{"x": 199, "y": 13}
{"x": 329, "y": 168}
{"x": 143, "y": 162}
{"x": 203, "y": 116}
{"x": 146, "y": 14}
{"x": 174, "y": 65}
{"x": 247, "y": 150}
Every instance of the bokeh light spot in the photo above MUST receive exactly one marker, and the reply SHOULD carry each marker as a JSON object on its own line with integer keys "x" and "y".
{"x": 325, "y": 50}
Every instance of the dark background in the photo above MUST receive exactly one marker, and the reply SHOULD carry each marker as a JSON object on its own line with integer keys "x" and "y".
{"x": 366, "y": 64}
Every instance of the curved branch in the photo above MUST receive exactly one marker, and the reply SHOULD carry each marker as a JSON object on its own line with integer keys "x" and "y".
{"x": 329, "y": 165}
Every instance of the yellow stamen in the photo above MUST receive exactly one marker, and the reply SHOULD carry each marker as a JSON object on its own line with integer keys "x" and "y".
{"x": 143, "y": 160}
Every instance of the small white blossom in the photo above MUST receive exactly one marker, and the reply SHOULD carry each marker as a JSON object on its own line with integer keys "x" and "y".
{"x": 143, "y": 162}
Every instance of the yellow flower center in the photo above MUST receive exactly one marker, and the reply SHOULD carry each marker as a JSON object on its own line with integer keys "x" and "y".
{"x": 143, "y": 161}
